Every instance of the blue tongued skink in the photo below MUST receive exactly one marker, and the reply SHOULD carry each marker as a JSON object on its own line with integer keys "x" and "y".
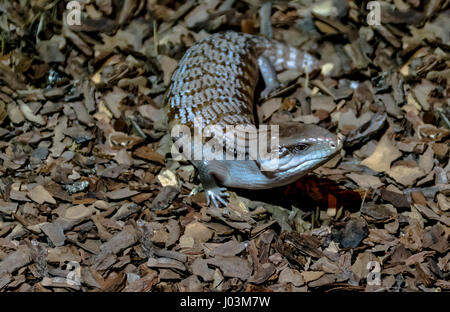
{"x": 215, "y": 80}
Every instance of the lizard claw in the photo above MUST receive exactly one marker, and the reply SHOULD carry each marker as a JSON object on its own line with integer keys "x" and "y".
{"x": 269, "y": 89}
{"x": 216, "y": 194}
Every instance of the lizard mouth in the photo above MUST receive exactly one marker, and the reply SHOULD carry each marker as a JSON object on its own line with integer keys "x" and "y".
{"x": 302, "y": 164}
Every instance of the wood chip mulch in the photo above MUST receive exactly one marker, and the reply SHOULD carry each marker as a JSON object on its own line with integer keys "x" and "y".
{"x": 90, "y": 199}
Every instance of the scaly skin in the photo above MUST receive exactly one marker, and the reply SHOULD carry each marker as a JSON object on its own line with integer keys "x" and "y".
{"x": 215, "y": 80}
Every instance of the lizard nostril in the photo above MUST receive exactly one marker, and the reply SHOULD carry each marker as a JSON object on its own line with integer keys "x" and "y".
{"x": 332, "y": 144}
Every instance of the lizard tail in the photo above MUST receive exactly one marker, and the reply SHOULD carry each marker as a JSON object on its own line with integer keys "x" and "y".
{"x": 284, "y": 57}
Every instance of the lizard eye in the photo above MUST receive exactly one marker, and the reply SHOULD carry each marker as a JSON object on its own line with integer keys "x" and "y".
{"x": 301, "y": 147}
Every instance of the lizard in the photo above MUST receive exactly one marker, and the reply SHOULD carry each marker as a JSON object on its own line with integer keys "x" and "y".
{"x": 215, "y": 80}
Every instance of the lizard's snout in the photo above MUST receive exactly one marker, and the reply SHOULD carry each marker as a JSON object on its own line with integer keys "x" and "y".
{"x": 339, "y": 143}
{"x": 335, "y": 144}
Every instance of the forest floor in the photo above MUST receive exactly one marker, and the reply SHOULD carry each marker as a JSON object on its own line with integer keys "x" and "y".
{"x": 90, "y": 199}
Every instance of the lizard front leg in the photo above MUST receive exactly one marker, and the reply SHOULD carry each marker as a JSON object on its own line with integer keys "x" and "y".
{"x": 208, "y": 171}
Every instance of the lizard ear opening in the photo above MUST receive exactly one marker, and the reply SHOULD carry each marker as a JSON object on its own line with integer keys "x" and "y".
{"x": 267, "y": 165}
{"x": 274, "y": 161}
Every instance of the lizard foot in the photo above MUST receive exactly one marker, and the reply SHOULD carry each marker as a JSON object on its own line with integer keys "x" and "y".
{"x": 216, "y": 194}
{"x": 269, "y": 89}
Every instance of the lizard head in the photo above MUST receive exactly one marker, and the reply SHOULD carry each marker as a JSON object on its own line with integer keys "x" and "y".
{"x": 303, "y": 148}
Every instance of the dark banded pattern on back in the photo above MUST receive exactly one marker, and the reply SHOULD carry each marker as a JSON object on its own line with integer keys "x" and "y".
{"x": 215, "y": 80}
{"x": 217, "y": 76}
